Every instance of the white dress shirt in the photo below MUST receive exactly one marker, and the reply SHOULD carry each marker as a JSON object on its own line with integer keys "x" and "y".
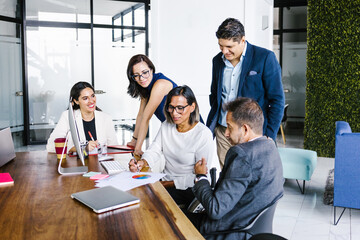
{"x": 230, "y": 87}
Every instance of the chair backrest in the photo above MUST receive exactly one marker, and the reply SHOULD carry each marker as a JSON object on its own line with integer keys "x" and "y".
{"x": 7, "y": 151}
{"x": 285, "y": 113}
{"x": 267, "y": 236}
{"x": 347, "y": 167}
{"x": 263, "y": 223}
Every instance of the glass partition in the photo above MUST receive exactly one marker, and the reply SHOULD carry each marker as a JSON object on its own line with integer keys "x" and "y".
{"x": 8, "y": 8}
{"x": 113, "y": 48}
{"x": 56, "y": 59}
{"x": 58, "y": 11}
{"x": 295, "y": 17}
{"x": 11, "y": 91}
{"x": 294, "y": 72}
{"x": 59, "y": 54}
{"x": 290, "y": 45}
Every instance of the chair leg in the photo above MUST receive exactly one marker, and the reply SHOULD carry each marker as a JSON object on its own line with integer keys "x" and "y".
{"x": 336, "y": 221}
{"x": 282, "y": 133}
{"x": 303, "y": 188}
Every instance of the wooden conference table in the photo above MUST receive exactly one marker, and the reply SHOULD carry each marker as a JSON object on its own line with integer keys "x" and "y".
{"x": 39, "y": 206}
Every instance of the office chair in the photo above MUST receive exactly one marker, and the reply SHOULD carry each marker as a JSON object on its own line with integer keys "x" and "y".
{"x": 195, "y": 206}
{"x": 267, "y": 236}
{"x": 283, "y": 122}
{"x": 263, "y": 223}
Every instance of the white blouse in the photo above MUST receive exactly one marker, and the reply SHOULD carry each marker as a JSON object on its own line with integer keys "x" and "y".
{"x": 181, "y": 151}
{"x": 105, "y": 130}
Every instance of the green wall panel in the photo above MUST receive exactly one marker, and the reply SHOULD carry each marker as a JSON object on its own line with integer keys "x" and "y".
{"x": 333, "y": 72}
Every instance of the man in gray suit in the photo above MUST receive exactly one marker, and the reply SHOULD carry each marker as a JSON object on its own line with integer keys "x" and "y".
{"x": 251, "y": 179}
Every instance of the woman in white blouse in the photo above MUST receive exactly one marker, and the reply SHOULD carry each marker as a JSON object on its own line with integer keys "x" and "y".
{"x": 89, "y": 119}
{"x": 182, "y": 140}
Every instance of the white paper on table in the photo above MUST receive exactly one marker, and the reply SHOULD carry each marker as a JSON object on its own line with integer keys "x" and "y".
{"x": 125, "y": 181}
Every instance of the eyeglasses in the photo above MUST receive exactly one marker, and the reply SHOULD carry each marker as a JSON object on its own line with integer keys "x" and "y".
{"x": 145, "y": 74}
{"x": 178, "y": 109}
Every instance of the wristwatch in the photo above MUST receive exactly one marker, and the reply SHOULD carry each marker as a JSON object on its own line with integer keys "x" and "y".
{"x": 200, "y": 177}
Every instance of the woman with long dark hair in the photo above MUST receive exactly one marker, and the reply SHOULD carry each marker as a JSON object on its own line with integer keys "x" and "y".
{"x": 89, "y": 118}
{"x": 182, "y": 140}
{"x": 152, "y": 89}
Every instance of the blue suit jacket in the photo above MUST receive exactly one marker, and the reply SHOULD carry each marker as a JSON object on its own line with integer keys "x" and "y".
{"x": 260, "y": 80}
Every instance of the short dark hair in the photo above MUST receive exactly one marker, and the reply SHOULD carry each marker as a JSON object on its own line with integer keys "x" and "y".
{"x": 134, "y": 89}
{"x": 247, "y": 111}
{"x": 232, "y": 29}
{"x": 76, "y": 91}
{"x": 187, "y": 93}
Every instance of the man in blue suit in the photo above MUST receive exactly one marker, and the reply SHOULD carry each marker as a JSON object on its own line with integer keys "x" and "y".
{"x": 243, "y": 70}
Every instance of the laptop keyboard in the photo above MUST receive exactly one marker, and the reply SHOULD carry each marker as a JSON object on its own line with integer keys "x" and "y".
{"x": 112, "y": 167}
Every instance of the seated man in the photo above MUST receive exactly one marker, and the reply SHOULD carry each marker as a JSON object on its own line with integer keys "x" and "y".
{"x": 251, "y": 179}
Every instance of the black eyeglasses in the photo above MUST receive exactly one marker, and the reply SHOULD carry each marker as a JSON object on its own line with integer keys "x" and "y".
{"x": 145, "y": 74}
{"x": 178, "y": 109}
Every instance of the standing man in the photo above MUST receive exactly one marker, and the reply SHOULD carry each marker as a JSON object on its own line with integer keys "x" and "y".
{"x": 243, "y": 70}
{"x": 251, "y": 179}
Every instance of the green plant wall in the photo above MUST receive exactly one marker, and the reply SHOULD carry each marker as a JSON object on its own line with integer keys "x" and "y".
{"x": 333, "y": 72}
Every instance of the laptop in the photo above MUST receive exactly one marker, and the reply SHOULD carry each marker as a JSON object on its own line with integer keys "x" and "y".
{"x": 7, "y": 151}
{"x": 105, "y": 198}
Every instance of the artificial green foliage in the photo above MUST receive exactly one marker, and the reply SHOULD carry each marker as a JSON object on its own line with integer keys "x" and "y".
{"x": 333, "y": 72}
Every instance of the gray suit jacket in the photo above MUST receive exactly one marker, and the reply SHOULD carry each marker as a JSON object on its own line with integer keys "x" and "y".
{"x": 250, "y": 181}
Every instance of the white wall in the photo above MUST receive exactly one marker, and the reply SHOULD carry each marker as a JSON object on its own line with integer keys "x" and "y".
{"x": 183, "y": 40}
{"x": 259, "y": 22}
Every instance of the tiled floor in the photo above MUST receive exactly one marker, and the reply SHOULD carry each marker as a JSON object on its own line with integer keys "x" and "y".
{"x": 305, "y": 216}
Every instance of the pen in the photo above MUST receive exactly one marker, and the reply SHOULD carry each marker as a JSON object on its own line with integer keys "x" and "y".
{"x": 135, "y": 162}
{"x": 91, "y": 136}
{"x": 136, "y": 165}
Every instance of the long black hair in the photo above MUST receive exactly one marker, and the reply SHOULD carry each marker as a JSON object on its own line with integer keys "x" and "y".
{"x": 134, "y": 89}
{"x": 76, "y": 91}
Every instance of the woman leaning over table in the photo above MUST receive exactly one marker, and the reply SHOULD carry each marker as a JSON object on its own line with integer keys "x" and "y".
{"x": 89, "y": 118}
{"x": 152, "y": 89}
{"x": 182, "y": 140}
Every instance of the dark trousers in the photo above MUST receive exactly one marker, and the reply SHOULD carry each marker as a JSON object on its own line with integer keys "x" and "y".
{"x": 182, "y": 198}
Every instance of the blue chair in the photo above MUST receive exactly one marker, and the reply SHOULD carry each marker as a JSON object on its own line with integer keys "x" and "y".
{"x": 298, "y": 164}
{"x": 347, "y": 169}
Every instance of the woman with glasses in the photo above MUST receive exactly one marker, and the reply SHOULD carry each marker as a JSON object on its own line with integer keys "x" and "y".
{"x": 93, "y": 125}
{"x": 182, "y": 140}
{"x": 152, "y": 89}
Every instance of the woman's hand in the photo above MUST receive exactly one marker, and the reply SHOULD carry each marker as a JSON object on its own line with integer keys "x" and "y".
{"x": 92, "y": 145}
{"x": 132, "y": 143}
{"x": 168, "y": 184}
{"x": 138, "y": 152}
{"x": 73, "y": 149}
{"x": 136, "y": 166}
{"x": 200, "y": 167}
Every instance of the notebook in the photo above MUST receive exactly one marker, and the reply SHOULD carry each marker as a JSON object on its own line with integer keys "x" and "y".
{"x": 6, "y": 179}
{"x": 122, "y": 147}
{"x": 105, "y": 198}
